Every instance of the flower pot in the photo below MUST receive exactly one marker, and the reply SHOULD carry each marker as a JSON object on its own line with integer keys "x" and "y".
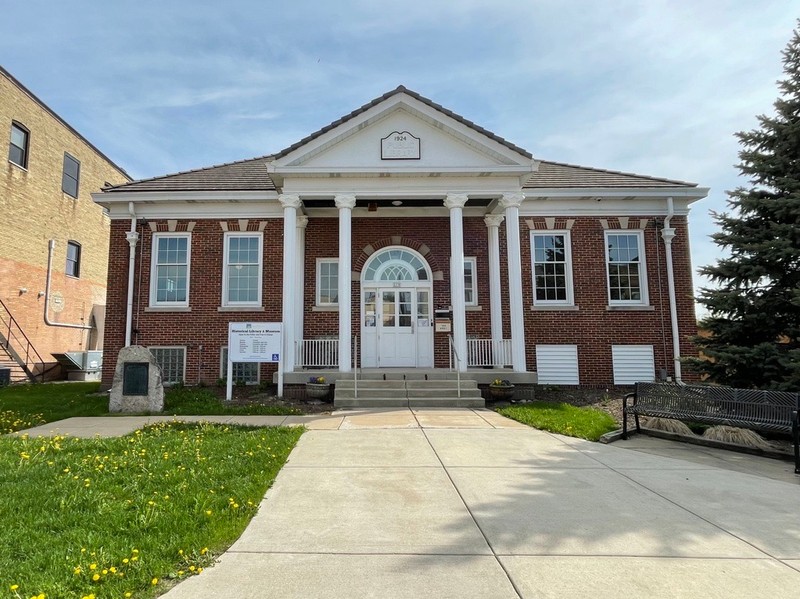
{"x": 500, "y": 392}
{"x": 318, "y": 390}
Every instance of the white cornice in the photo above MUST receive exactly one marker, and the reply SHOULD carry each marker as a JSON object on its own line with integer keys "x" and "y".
{"x": 600, "y": 207}
{"x": 393, "y": 170}
{"x": 690, "y": 193}
{"x": 106, "y": 199}
{"x": 196, "y": 210}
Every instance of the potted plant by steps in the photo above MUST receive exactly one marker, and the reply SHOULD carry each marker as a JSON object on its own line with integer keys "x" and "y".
{"x": 501, "y": 389}
{"x": 317, "y": 388}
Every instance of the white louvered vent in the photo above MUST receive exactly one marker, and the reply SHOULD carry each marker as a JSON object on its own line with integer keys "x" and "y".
{"x": 557, "y": 364}
{"x": 633, "y": 364}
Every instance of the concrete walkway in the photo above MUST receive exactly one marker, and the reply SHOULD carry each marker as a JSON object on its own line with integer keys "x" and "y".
{"x": 464, "y": 503}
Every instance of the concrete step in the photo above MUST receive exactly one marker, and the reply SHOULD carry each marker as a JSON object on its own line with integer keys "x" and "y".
{"x": 372, "y": 402}
{"x": 442, "y": 384}
{"x": 451, "y": 392}
{"x": 370, "y": 384}
{"x": 446, "y": 402}
{"x": 362, "y": 392}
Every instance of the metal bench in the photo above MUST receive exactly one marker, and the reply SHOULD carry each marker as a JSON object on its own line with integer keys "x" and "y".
{"x": 773, "y": 411}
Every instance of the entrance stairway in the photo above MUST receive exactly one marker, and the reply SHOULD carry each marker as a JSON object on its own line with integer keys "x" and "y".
{"x": 407, "y": 394}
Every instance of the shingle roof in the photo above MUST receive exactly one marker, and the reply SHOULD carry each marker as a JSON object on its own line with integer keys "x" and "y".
{"x": 558, "y": 174}
{"x": 242, "y": 175}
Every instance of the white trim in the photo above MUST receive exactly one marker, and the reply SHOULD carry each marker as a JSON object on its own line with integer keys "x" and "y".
{"x": 318, "y": 303}
{"x": 474, "y": 279}
{"x": 570, "y": 299}
{"x": 226, "y": 303}
{"x": 150, "y": 348}
{"x": 578, "y": 204}
{"x": 645, "y": 298}
{"x": 223, "y": 364}
{"x": 154, "y": 269}
{"x": 379, "y": 283}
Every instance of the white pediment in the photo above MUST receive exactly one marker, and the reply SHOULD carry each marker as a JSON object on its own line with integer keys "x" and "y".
{"x": 367, "y": 144}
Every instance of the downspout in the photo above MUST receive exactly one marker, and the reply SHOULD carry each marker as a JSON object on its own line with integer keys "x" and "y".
{"x": 50, "y": 247}
{"x": 132, "y": 236}
{"x": 668, "y": 233}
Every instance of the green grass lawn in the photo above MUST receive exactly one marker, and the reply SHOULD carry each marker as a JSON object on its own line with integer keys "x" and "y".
{"x": 585, "y": 423}
{"x": 129, "y": 515}
{"x": 24, "y": 406}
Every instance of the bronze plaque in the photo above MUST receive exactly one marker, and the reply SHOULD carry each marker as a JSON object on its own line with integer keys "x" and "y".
{"x": 135, "y": 377}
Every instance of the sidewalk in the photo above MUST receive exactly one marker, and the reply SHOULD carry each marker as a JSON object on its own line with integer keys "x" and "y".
{"x": 466, "y": 504}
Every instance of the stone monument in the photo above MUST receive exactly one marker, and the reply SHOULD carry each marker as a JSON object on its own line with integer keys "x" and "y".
{"x": 137, "y": 383}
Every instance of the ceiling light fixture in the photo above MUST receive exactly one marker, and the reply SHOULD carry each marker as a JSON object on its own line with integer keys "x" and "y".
{"x": 397, "y": 202}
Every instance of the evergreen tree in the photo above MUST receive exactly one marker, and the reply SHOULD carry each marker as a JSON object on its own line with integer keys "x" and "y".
{"x": 754, "y": 306}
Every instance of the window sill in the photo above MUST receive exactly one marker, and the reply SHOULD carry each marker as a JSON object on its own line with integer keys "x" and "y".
{"x": 240, "y": 309}
{"x": 641, "y": 308}
{"x": 474, "y": 308}
{"x": 167, "y": 309}
{"x": 554, "y": 308}
{"x": 324, "y": 308}
{"x": 19, "y": 166}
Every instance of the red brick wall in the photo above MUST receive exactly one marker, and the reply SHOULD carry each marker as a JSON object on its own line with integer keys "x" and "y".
{"x": 592, "y": 327}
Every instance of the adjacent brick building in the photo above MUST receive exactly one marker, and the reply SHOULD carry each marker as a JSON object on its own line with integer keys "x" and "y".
{"x": 45, "y": 196}
{"x": 403, "y": 236}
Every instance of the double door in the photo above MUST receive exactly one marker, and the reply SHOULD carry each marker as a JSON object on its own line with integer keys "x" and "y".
{"x": 396, "y": 327}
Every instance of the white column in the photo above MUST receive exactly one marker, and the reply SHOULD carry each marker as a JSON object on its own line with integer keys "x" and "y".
{"x": 511, "y": 202}
{"x": 455, "y": 203}
{"x": 300, "y": 284}
{"x": 133, "y": 237}
{"x": 496, "y": 305}
{"x": 345, "y": 204}
{"x": 290, "y": 205}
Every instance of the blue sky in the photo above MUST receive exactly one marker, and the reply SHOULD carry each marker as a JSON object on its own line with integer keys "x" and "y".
{"x": 653, "y": 87}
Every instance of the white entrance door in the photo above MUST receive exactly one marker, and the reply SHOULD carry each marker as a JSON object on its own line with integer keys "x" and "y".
{"x": 396, "y": 324}
{"x": 397, "y": 345}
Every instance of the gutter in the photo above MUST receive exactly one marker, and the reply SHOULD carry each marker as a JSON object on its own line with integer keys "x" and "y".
{"x": 50, "y": 247}
{"x": 668, "y": 234}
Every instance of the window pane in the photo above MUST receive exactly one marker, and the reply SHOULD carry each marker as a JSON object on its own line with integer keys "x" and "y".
{"x": 550, "y": 268}
{"x": 70, "y": 176}
{"x": 18, "y": 146}
{"x": 328, "y": 282}
{"x": 243, "y": 269}
{"x": 73, "y": 259}
{"x": 623, "y": 268}
{"x": 172, "y": 269}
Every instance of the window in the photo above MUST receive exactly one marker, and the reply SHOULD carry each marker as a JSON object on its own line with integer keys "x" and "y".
{"x": 327, "y": 281}
{"x": 18, "y": 148}
{"x": 627, "y": 283}
{"x": 169, "y": 276}
{"x": 172, "y": 361}
{"x": 71, "y": 175}
{"x": 73, "y": 259}
{"x": 241, "y": 281}
{"x": 552, "y": 268}
{"x": 470, "y": 286}
{"x": 243, "y": 372}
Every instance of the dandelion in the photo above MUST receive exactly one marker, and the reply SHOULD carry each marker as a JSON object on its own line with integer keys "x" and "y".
{"x": 93, "y": 566}
{"x": 125, "y": 560}
{"x": 204, "y": 550}
{"x": 96, "y": 577}
{"x": 154, "y": 582}
{"x": 14, "y": 587}
{"x": 77, "y": 570}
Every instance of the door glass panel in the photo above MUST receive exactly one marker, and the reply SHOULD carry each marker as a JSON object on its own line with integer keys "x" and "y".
{"x": 423, "y": 309}
{"x": 404, "y": 308}
{"x": 369, "y": 309}
{"x": 388, "y": 309}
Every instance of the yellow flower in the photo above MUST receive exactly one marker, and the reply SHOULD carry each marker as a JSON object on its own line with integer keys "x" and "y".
{"x": 204, "y": 550}
{"x": 154, "y": 582}
{"x": 14, "y": 587}
{"x": 128, "y": 594}
{"x": 96, "y": 577}
{"x": 77, "y": 570}
{"x": 92, "y": 566}
{"x": 125, "y": 561}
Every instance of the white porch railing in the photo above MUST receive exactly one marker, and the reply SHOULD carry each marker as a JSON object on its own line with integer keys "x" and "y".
{"x": 487, "y": 352}
{"x": 317, "y": 353}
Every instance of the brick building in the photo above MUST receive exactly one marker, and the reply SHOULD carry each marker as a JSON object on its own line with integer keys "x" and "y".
{"x": 49, "y": 225}
{"x": 433, "y": 242}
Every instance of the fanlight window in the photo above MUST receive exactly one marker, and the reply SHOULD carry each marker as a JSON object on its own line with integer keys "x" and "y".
{"x": 395, "y": 265}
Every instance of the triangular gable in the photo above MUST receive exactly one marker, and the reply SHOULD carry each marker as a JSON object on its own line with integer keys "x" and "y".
{"x": 402, "y": 131}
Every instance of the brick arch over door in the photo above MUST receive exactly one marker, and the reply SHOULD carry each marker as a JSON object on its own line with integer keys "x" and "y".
{"x": 376, "y": 246}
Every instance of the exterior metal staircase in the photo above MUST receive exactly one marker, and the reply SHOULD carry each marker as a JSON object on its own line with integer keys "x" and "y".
{"x": 370, "y": 393}
{"x": 16, "y": 350}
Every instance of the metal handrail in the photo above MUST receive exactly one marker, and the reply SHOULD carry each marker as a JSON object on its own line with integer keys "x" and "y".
{"x": 355, "y": 367}
{"x": 458, "y": 363}
{"x": 27, "y": 345}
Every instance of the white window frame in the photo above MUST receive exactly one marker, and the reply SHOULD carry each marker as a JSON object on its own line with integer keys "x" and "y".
{"x": 570, "y": 296}
{"x": 318, "y": 296}
{"x": 645, "y": 300}
{"x": 154, "y": 303}
{"x": 229, "y": 235}
{"x": 181, "y": 347}
{"x": 222, "y": 364}
{"x": 474, "y": 288}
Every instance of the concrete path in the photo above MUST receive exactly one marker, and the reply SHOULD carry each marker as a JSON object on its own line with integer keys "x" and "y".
{"x": 463, "y": 504}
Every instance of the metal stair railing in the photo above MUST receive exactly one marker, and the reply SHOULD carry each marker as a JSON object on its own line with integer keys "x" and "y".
{"x": 454, "y": 352}
{"x": 19, "y": 347}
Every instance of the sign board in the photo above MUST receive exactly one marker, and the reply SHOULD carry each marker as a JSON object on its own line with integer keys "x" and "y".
{"x": 443, "y": 325}
{"x": 254, "y": 341}
{"x": 400, "y": 145}
{"x": 135, "y": 378}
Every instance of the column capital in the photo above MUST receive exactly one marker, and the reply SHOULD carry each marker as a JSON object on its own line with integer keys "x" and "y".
{"x": 493, "y": 220}
{"x": 302, "y": 221}
{"x": 345, "y": 201}
{"x": 455, "y": 200}
{"x": 289, "y": 200}
{"x": 132, "y": 237}
{"x": 511, "y": 200}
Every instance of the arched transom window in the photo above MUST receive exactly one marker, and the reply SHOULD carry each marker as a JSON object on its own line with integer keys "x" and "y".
{"x": 395, "y": 265}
